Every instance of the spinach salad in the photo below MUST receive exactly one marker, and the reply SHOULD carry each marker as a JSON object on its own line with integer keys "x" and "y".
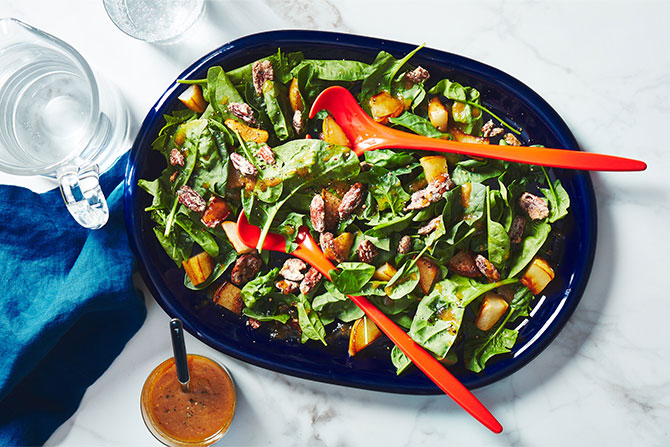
{"x": 453, "y": 249}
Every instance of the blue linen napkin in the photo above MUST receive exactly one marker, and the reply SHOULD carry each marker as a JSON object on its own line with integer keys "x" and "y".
{"x": 67, "y": 306}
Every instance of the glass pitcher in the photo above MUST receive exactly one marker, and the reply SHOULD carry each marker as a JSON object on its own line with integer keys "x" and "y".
{"x": 57, "y": 119}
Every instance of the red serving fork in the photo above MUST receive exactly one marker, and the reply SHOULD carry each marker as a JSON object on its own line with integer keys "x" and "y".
{"x": 366, "y": 134}
{"x": 309, "y": 251}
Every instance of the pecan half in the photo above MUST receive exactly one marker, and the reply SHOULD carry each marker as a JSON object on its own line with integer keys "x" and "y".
{"x": 254, "y": 323}
{"x": 431, "y": 226}
{"x": 243, "y": 111}
{"x": 298, "y": 122}
{"x": 431, "y": 193}
{"x": 246, "y": 267}
{"x": 487, "y": 268}
{"x": 265, "y": 152}
{"x": 516, "y": 229}
{"x": 191, "y": 199}
{"x": 366, "y": 251}
{"x": 261, "y": 71}
{"x": 292, "y": 269}
{"x": 463, "y": 263}
{"x": 512, "y": 140}
{"x": 417, "y": 75}
{"x": 176, "y": 157}
{"x": 350, "y": 201}
{"x": 405, "y": 245}
{"x": 286, "y": 286}
{"x": 535, "y": 206}
{"x": 489, "y": 130}
{"x": 310, "y": 281}
{"x": 243, "y": 165}
{"x": 317, "y": 213}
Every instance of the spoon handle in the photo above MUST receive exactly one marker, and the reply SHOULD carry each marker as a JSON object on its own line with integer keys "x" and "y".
{"x": 179, "y": 351}
{"x": 311, "y": 253}
{"x": 557, "y": 158}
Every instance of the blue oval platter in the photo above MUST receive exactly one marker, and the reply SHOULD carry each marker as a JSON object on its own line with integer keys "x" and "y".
{"x": 372, "y": 368}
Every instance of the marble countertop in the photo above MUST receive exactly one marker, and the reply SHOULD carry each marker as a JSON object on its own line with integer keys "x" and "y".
{"x": 603, "y": 381}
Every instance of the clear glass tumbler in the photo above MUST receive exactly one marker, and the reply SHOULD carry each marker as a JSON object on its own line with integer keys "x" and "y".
{"x": 155, "y": 21}
{"x": 57, "y": 119}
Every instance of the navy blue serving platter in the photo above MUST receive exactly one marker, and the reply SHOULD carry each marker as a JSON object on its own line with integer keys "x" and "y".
{"x": 372, "y": 368}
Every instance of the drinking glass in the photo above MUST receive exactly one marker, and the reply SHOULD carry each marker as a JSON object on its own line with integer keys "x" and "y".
{"x": 57, "y": 119}
{"x": 155, "y": 21}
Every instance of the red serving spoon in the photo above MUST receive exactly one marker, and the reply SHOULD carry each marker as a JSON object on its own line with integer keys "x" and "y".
{"x": 366, "y": 134}
{"x": 309, "y": 251}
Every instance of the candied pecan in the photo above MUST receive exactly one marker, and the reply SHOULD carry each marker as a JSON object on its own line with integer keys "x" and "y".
{"x": 176, "y": 157}
{"x": 487, "y": 268}
{"x": 265, "y": 152}
{"x": 463, "y": 263}
{"x": 245, "y": 268}
{"x": 432, "y": 225}
{"x": 431, "y": 193}
{"x": 261, "y": 71}
{"x": 298, "y": 122}
{"x": 191, "y": 199}
{"x": 174, "y": 175}
{"x": 317, "y": 213}
{"x": 511, "y": 140}
{"x": 535, "y": 206}
{"x": 489, "y": 130}
{"x": 366, "y": 251}
{"x": 405, "y": 245}
{"x": 310, "y": 281}
{"x": 254, "y": 323}
{"x": 243, "y": 111}
{"x": 516, "y": 229}
{"x": 286, "y": 286}
{"x": 506, "y": 292}
{"x": 350, "y": 201}
{"x": 417, "y": 75}
{"x": 243, "y": 165}
{"x": 365, "y": 166}
{"x": 292, "y": 269}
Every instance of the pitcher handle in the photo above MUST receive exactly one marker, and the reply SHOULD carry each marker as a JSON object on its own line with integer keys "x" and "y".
{"x": 81, "y": 191}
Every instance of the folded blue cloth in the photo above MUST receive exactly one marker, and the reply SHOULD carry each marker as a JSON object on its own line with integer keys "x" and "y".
{"x": 67, "y": 306}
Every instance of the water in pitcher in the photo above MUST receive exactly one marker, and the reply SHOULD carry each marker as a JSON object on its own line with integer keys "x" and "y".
{"x": 46, "y": 106}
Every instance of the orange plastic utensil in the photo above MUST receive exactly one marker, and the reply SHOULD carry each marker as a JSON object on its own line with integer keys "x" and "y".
{"x": 309, "y": 251}
{"x": 367, "y": 134}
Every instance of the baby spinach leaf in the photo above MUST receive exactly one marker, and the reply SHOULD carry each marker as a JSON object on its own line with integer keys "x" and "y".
{"x": 559, "y": 201}
{"x": 399, "y": 360}
{"x": 386, "y": 189}
{"x": 350, "y": 277}
{"x": 439, "y": 314}
{"x": 535, "y": 235}
{"x": 403, "y": 282}
{"x": 418, "y": 125}
{"x": 334, "y": 70}
{"x": 471, "y": 170}
{"x": 467, "y": 97}
{"x": 521, "y": 302}
{"x": 310, "y": 324}
{"x": 289, "y": 229}
{"x": 277, "y": 110}
{"x": 333, "y": 304}
{"x": 178, "y": 245}
{"x": 263, "y": 301}
{"x": 498, "y": 242}
{"x": 480, "y": 346}
{"x": 282, "y": 63}
{"x": 380, "y": 75}
{"x": 198, "y": 233}
{"x": 221, "y": 91}
{"x": 386, "y": 158}
{"x": 476, "y": 204}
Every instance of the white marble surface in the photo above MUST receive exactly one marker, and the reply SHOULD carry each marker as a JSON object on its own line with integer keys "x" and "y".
{"x": 605, "y": 380}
